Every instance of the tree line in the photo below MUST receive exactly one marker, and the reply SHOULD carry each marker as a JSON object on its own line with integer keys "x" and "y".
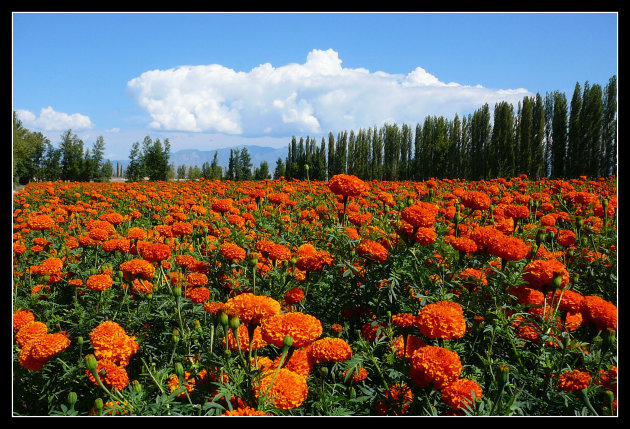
{"x": 542, "y": 137}
{"x": 35, "y": 158}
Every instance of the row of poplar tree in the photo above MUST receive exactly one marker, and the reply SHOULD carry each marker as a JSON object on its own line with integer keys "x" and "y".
{"x": 542, "y": 137}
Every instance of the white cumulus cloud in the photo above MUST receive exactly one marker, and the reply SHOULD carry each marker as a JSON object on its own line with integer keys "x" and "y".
{"x": 51, "y": 120}
{"x": 315, "y": 97}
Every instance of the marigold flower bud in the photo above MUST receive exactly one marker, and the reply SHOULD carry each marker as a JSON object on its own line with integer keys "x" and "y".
{"x": 72, "y": 399}
{"x": 224, "y": 318}
{"x": 80, "y": 341}
{"x": 136, "y": 386}
{"x": 179, "y": 369}
{"x": 288, "y": 341}
{"x": 234, "y": 322}
{"x": 177, "y": 291}
{"x": 502, "y": 374}
{"x": 90, "y": 362}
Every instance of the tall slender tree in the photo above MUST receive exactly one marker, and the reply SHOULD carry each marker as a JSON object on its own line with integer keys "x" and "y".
{"x": 559, "y": 139}
{"x": 609, "y": 128}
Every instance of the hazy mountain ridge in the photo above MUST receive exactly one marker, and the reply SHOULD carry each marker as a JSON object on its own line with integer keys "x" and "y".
{"x": 197, "y": 157}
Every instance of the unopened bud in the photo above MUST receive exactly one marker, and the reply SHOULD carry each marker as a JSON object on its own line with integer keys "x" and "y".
{"x": 223, "y": 318}
{"x": 610, "y": 336}
{"x": 72, "y": 399}
{"x": 98, "y": 404}
{"x": 179, "y": 369}
{"x": 288, "y": 341}
{"x": 557, "y": 280}
{"x": 90, "y": 362}
{"x": 198, "y": 327}
{"x": 502, "y": 374}
{"x": 234, "y": 323}
{"x": 136, "y": 386}
{"x": 80, "y": 341}
{"x": 177, "y": 291}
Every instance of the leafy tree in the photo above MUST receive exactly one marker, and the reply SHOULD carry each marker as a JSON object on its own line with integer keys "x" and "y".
{"x": 591, "y": 125}
{"x": 480, "y": 130}
{"x": 279, "y": 171}
{"x": 106, "y": 171}
{"x": 245, "y": 165}
{"x": 51, "y": 164}
{"x": 574, "y": 136}
{"x": 537, "y": 166}
{"x": 181, "y": 172}
{"x": 262, "y": 172}
{"x": 28, "y": 152}
{"x": 96, "y": 160}
{"x": 71, "y": 156}
{"x": 155, "y": 159}
{"x": 559, "y": 135}
{"x": 501, "y": 157}
{"x": 134, "y": 171}
{"x": 609, "y": 128}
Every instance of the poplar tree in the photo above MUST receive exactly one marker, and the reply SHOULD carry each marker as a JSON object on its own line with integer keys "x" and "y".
{"x": 609, "y": 128}
{"x": 538, "y": 167}
{"x": 559, "y": 135}
{"x": 573, "y": 144}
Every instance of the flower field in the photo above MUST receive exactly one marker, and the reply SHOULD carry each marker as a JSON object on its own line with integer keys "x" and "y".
{"x": 311, "y": 298}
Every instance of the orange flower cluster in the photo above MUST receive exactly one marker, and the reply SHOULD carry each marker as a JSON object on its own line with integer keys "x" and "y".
{"x": 302, "y": 327}
{"x": 330, "y": 349}
{"x": 540, "y": 273}
{"x": 436, "y": 366}
{"x": 37, "y": 346}
{"x": 99, "y": 282}
{"x": 420, "y": 214}
{"x": 347, "y": 185}
{"x": 233, "y": 252}
{"x": 459, "y": 393}
{"x": 111, "y": 342}
{"x": 137, "y": 268}
{"x": 312, "y": 260}
{"x": 570, "y": 381}
{"x": 373, "y": 250}
{"x": 398, "y": 400}
{"x": 288, "y": 391}
{"x": 444, "y": 319}
{"x": 252, "y": 309}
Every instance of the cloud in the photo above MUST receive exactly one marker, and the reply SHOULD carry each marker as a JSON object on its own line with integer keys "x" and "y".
{"x": 311, "y": 98}
{"x": 51, "y": 120}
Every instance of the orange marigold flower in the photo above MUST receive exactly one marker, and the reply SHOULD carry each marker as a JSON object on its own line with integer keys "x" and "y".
{"x": 48, "y": 345}
{"x": 233, "y": 252}
{"x": 373, "y": 250}
{"x": 112, "y": 376}
{"x": 153, "y": 252}
{"x": 29, "y": 332}
{"x": 330, "y": 349}
{"x": 347, "y": 185}
{"x": 111, "y": 342}
{"x": 213, "y": 307}
{"x": 476, "y": 200}
{"x": 182, "y": 228}
{"x": 293, "y": 296}
{"x": 482, "y": 235}
{"x": 303, "y": 328}
{"x": 566, "y": 238}
{"x": 99, "y": 282}
{"x": 516, "y": 211}
{"x": 570, "y": 381}
{"x": 599, "y": 312}
{"x": 397, "y": 400}
{"x": 508, "y": 248}
{"x": 459, "y": 393}
{"x": 222, "y": 205}
{"x": 189, "y": 384}
{"x": 279, "y": 252}
{"x": 444, "y": 319}
{"x": 420, "y": 214}
{"x": 434, "y": 365}
{"x": 251, "y": 309}
{"x": 425, "y": 236}
{"x": 355, "y": 374}
{"x": 49, "y": 267}
{"x": 198, "y": 294}
{"x": 462, "y": 244}
{"x": 569, "y": 300}
{"x": 289, "y": 389}
{"x": 528, "y": 296}
{"x": 21, "y": 318}
{"x": 196, "y": 279}
{"x": 26, "y": 360}
{"x": 135, "y": 233}
{"x": 137, "y": 268}
{"x": 540, "y": 273}
{"x": 40, "y": 222}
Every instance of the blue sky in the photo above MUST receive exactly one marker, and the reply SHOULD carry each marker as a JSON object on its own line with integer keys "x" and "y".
{"x": 210, "y": 80}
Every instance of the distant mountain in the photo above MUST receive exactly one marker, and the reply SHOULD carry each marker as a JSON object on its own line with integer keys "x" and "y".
{"x": 197, "y": 157}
